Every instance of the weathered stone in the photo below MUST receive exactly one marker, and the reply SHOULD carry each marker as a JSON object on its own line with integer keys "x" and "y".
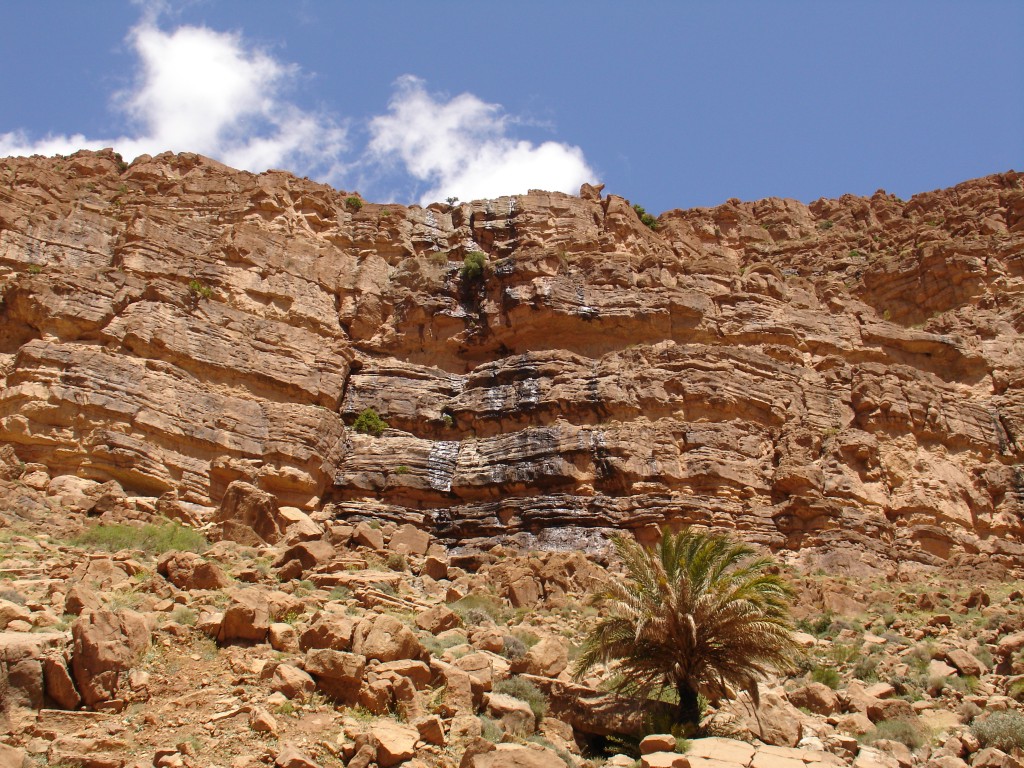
{"x": 385, "y": 638}
{"x": 246, "y": 619}
{"x": 438, "y": 619}
{"x": 187, "y": 570}
{"x": 106, "y": 644}
{"x": 396, "y": 743}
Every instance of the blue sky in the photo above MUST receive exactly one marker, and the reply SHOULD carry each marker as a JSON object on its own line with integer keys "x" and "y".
{"x": 670, "y": 104}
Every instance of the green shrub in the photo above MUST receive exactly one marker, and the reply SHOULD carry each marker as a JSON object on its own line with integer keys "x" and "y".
{"x": 645, "y": 218}
{"x": 184, "y": 615}
{"x": 819, "y": 627}
{"x": 396, "y": 561}
{"x": 353, "y": 202}
{"x": 903, "y": 731}
{"x": 479, "y": 609}
{"x": 473, "y": 265}
{"x": 1002, "y": 730}
{"x": 199, "y": 291}
{"x": 866, "y": 669}
{"x": 524, "y": 690}
{"x": 490, "y": 730}
{"x": 369, "y": 423}
{"x": 514, "y": 648}
{"x": 150, "y": 538}
{"x": 13, "y": 596}
{"x": 827, "y": 676}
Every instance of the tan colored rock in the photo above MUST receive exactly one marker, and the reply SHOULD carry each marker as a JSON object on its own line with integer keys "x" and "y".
{"x": 328, "y": 631}
{"x": 664, "y": 760}
{"x": 106, "y": 644}
{"x": 262, "y": 721}
{"x": 515, "y": 756}
{"x": 816, "y": 697}
{"x": 58, "y": 682}
{"x": 657, "y": 742}
{"x": 548, "y": 658}
{"x": 283, "y": 637}
{"x": 80, "y": 598}
{"x": 385, "y": 638}
{"x": 12, "y": 757}
{"x": 724, "y": 750}
{"x": 965, "y": 663}
{"x": 438, "y": 619}
{"x": 249, "y": 515}
{"x": 337, "y": 674}
{"x": 291, "y": 681}
{"x": 305, "y": 556}
{"x": 396, "y": 743}
{"x": 11, "y": 612}
{"x": 247, "y": 617}
{"x": 290, "y": 757}
{"x": 435, "y": 568}
{"x": 431, "y": 730}
{"x": 409, "y": 540}
{"x": 367, "y": 536}
{"x": 187, "y": 570}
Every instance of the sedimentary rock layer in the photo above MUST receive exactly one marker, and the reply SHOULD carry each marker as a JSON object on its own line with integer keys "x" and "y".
{"x": 840, "y": 375}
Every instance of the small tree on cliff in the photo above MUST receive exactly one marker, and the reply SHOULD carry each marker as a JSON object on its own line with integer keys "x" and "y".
{"x": 697, "y": 613}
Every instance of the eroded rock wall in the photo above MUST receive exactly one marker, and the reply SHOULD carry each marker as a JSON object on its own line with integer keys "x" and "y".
{"x": 843, "y": 376}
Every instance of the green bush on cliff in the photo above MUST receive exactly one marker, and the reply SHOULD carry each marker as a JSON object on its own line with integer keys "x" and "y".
{"x": 473, "y": 265}
{"x": 369, "y": 423}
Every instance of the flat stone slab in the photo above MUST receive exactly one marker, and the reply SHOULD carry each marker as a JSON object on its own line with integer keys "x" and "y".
{"x": 726, "y": 750}
{"x": 664, "y": 760}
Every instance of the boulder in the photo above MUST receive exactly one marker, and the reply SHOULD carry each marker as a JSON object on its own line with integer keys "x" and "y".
{"x": 664, "y": 760}
{"x": 385, "y": 638}
{"x": 304, "y": 556}
{"x": 438, "y": 619}
{"x": 517, "y": 756}
{"x": 58, "y": 683}
{"x": 773, "y": 720}
{"x": 396, "y": 742}
{"x": 10, "y": 612}
{"x": 365, "y": 535}
{"x": 890, "y": 709}
{"x": 965, "y": 663}
{"x": 187, "y": 570}
{"x": 290, "y": 757}
{"x": 409, "y": 540}
{"x": 249, "y": 515}
{"x": 246, "y": 619}
{"x": 548, "y": 658}
{"x": 80, "y": 597}
{"x": 657, "y": 742}
{"x": 292, "y": 681}
{"x": 12, "y": 757}
{"x": 816, "y": 697}
{"x": 328, "y": 631}
{"x": 106, "y": 644}
{"x": 338, "y": 674}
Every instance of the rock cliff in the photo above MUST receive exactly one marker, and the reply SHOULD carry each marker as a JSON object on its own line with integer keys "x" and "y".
{"x": 843, "y": 377}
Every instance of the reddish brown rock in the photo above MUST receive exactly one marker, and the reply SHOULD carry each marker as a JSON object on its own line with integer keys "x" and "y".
{"x": 106, "y": 644}
{"x": 187, "y": 570}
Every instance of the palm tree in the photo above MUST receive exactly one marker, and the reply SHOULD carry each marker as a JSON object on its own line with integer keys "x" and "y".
{"x": 698, "y": 614}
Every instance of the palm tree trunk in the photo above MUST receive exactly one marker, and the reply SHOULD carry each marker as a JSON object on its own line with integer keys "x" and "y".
{"x": 689, "y": 708}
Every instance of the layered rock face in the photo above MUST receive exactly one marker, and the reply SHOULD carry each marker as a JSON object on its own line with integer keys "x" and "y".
{"x": 844, "y": 376}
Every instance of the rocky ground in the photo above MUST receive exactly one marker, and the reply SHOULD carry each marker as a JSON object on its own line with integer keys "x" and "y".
{"x": 364, "y": 644}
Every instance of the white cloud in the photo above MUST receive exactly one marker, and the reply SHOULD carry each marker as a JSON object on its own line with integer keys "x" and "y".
{"x": 204, "y": 91}
{"x": 462, "y": 148}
